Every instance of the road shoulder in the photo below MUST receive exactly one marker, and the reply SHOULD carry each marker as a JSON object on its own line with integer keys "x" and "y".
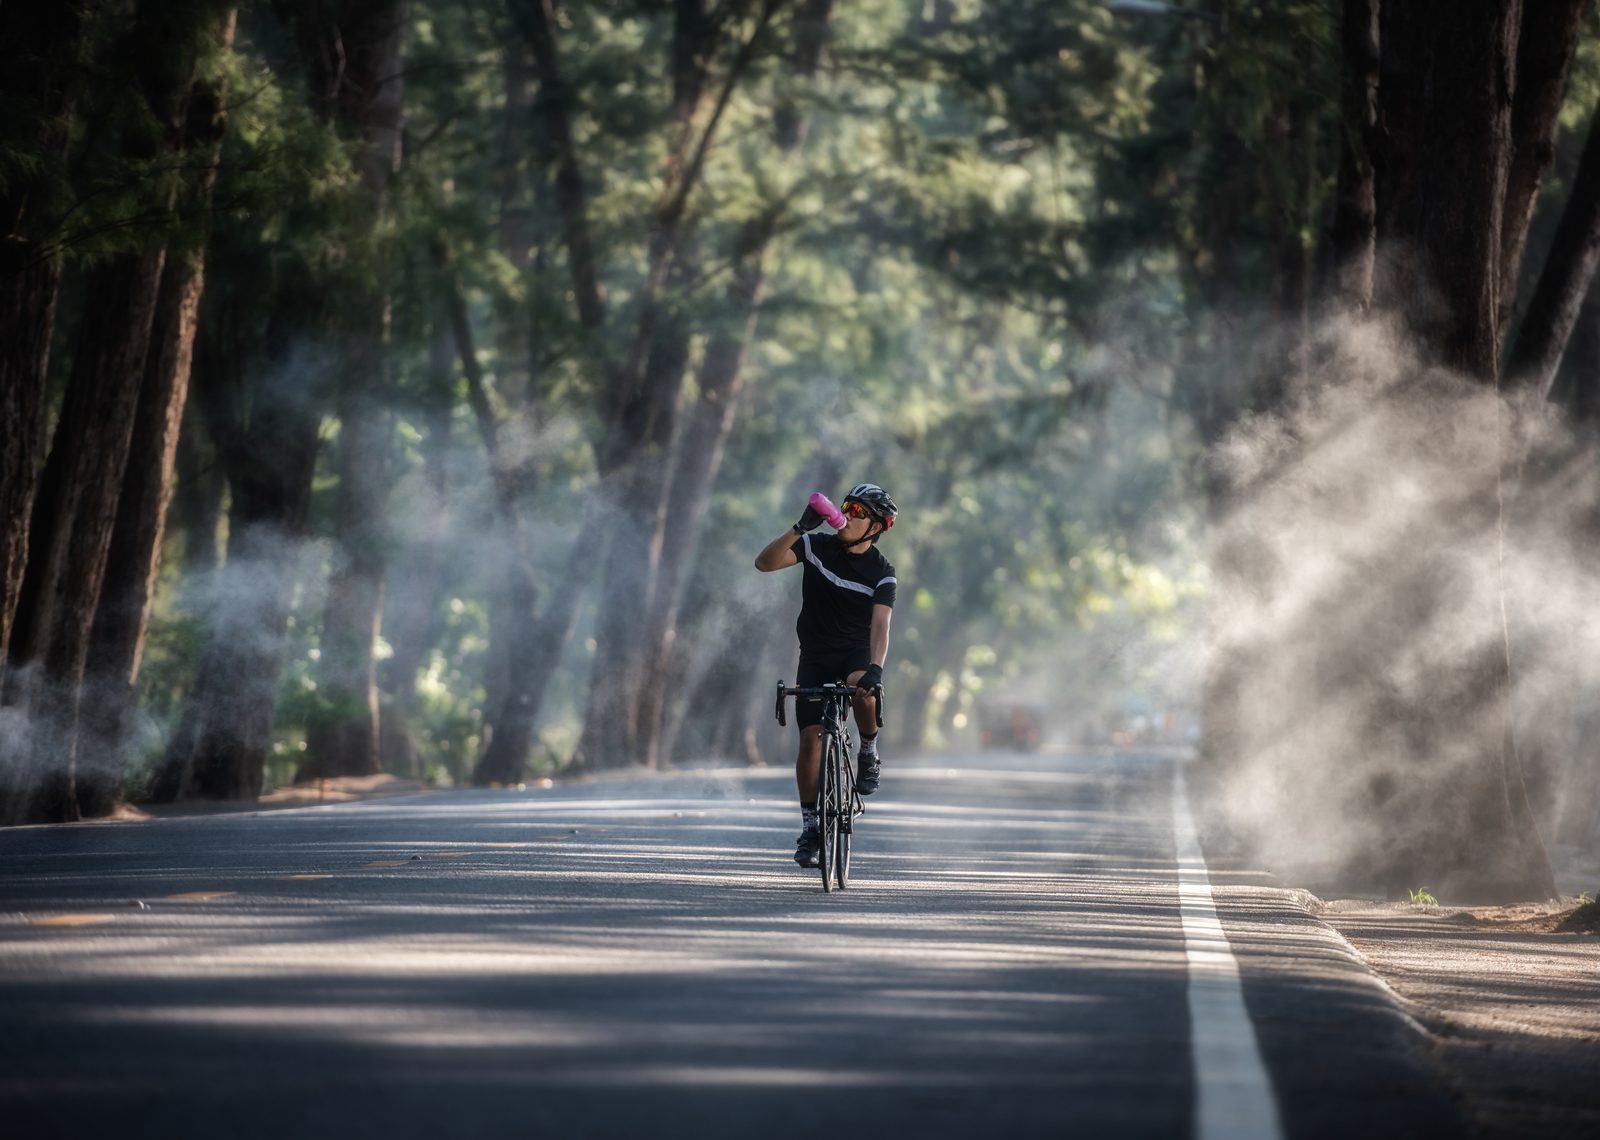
{"x": 1346, "y": 1055}
{"x": 316, "y": 793}
{"x": 1507, "y": 994}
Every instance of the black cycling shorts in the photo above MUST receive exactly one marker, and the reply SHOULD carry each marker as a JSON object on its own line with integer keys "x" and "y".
{"x": 820, "y": 668}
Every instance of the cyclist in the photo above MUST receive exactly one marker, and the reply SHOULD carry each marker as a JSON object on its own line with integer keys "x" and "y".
{"x": 847, "y": 597}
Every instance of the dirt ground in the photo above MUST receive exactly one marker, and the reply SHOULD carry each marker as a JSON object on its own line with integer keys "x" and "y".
{"x": 331, "y": 791}
{"x": 1511, "y": 996}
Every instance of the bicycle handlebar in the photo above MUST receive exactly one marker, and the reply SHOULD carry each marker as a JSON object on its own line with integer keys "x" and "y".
{"x": 833, "y": 688}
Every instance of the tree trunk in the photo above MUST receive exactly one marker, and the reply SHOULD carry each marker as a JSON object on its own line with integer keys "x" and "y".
{"x": 196, "y": 511}
{"x": 122, "y": 617}
{"x": 911, "y": 710}
{"x": 1565, "y": 281}
{"x": 731, "y": 690}
{"x": 413, "y": 592}
{"x": 28, "y": 288}
{"x": 515, "y": 233}
{"x": 510, "y": 707}
{"x": 72, "y": 526}
{"x": 225, "y": 731}
{"x": 1576, "y": 389}
{"x": 1446, "y": 100}
{"x": 637, "y": 470}
{"x": 1354, "y": 226}
{"x": 1447, "y": 164}
{"x": 71, "y": 529}
{"x": 560, "y": 614}
{"x": 938, "y": 647}
{"x": 39, "y": 44}
{"x": 686, "y": 490}
{"x": 729, "y": 702}
{"x": 1545, "y": 46}
{"x": 554, "y": 106}
{"x": 342, "y": 740}
{"x": 355, "y": 61}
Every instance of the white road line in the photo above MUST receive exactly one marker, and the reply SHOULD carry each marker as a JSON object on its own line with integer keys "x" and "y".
{"x": 1233, "y": 1094}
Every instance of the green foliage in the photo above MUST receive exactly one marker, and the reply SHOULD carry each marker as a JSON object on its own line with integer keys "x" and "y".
{"x": 1421, "y": 897}
{"x": 985, "y": 246}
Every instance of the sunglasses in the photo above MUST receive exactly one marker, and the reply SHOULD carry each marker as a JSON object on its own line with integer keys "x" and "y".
{"x": 856, "y": 511}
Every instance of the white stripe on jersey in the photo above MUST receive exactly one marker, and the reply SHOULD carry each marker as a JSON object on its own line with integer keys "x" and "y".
{"x": 858, "y": 587}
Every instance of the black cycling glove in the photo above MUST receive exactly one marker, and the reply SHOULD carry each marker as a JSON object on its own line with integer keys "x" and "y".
{"x": 871, "y": 677}
{"x": 811, "y": 520}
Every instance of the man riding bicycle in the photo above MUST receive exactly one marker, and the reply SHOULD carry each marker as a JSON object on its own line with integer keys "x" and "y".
{"x": 847, "y": 597}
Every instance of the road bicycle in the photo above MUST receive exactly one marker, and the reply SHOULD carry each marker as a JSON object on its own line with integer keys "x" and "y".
{"x": 838, "y": 804}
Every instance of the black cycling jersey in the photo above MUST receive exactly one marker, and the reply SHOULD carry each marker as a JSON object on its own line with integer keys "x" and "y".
{"x": 838, "y": 593}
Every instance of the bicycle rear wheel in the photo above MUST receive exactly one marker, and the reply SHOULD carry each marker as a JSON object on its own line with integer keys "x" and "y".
{"x": 828, "y": 807}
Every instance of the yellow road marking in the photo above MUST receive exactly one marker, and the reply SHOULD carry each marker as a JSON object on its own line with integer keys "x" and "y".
{"x": 72, "y": 920}
{"x": 199, "y": 896}
{"x": 389, "y": 863}
{"x": 450, "y": 854}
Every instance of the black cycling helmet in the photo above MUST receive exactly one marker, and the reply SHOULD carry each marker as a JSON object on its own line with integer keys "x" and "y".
{"x": 876, "y": 500}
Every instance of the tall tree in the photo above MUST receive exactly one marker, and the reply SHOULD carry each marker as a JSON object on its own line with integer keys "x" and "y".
{"x": 1448, "y": 85}
{"x": 40, "y": 45}
{"x": 123, "y": 613}
{"x": 75, "y": 514}
{"x": 697, "y": 455}
{"x": 639, "y": 404}
{"x": 262, "y": 374}
{"x": 1456, "y": 213}
{"x": 352, "y": 51}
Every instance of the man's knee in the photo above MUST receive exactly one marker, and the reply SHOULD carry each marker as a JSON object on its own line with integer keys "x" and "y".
{"x": 865, "y": 704}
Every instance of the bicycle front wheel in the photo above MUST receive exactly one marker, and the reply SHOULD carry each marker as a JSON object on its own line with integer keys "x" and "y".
{"x": 846, "y": 800}
{"x": 828, "y": 808}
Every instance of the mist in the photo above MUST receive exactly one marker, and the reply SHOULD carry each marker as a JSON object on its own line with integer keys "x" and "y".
{"x": 1364, "y": 577}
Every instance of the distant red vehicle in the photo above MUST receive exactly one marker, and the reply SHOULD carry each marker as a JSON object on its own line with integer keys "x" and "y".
{"x": 1012, "y": 728}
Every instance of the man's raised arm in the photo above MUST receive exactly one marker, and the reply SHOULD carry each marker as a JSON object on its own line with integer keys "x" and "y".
{"x": 778, "y": 554}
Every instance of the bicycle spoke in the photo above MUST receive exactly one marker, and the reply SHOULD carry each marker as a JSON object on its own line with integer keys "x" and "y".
{"x": 828, "y": 811}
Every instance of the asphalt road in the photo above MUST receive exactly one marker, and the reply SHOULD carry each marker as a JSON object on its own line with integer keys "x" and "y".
{"x": 639, "y": 957}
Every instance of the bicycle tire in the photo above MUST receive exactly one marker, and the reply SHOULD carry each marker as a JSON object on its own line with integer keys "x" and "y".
{"x": 847, "y": 803}
{"x": 828, "y": 808}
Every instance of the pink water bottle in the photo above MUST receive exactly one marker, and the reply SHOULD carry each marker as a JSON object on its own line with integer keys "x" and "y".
{"x": 830, "y": 513}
